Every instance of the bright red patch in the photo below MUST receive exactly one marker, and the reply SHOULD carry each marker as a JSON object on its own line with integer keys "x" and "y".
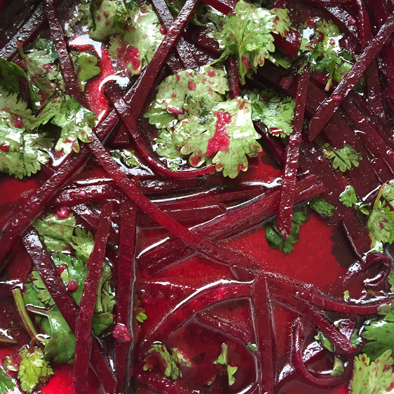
{"x": 220, "y": 140}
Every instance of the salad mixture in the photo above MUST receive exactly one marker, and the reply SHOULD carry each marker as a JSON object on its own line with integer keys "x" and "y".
{"x": 196, "y": 197}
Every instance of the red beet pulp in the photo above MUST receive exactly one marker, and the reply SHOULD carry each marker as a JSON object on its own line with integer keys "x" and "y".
{"x": 192, "y": 256}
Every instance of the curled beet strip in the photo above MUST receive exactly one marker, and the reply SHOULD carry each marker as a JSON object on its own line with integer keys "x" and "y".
{"x": 200, "y": 299}
{"x": 182, "y": 48}
{"x": 61, "y": 48}
{"x": 305, "y": 309}
{"x": 233, "y": 77}
{"x": 129, "y": 120}
{"x": 208, "y": 249}
{"x": 321, "y": 301}
{"x": 263, "y": 327}
{"x": 330, "y": 105}
{"x": 126, "y": 279}
{"x": 88, "y": 301}
{"x": 362, "y": 266}
{"x": 65, "y": 303}
{"x": 343, "y": 18}
{"x": 299, "y": 365}
{"x": 287, "y": 190}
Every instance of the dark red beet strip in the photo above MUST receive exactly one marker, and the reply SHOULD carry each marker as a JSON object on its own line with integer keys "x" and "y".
{"x": 199, "y": 300}
{"x": 233, "y": 78}
{"x": 224, "y": 6}
{"x": 24, "y": 91}
{"x": 182, "y": 48}
{"x": 126, "y": 279}
{"x": 205, "y": 41}
{"x": 299, "y": 365}
{"x": 61, "y": 48}
{"x": 287, "y": 190}
{"x": 88, "y": 301}
{"x": 221, "y": 255}
{"x": 129, "y": 120}
{"x": 364, "y": 25}
{"x": 349, "y": 81}
{"x": 281, "y": 3}
{"x": 65, "y": 303}
{"x": 340, "y": 341}
{"x": 343, "y": 18}
{"x": 263, "y": 326}
{"x": 290, "y": 44}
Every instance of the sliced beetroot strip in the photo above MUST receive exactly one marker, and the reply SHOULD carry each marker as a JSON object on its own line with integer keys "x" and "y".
{"x": 224, "y": 6}
{"x": 202, "y": 298}
{"x": 125, "y": 291}
{"x": 205, "y": 41}
{"x": 262, "y": 313}
{"x": 321, "y": 301}
{"x": 235, "y": 221}
{"x": 233, "y": 77}
{"x": 381, "y": 170}
{"x": 281, "y": 3}
{"x": 129, "y": 120}
{"x": 299, "y": 365}
{"x": 65, "y": 303}
{"x": 182, "y": 48}
{"x": 274, "y": 144}
{"x": 88, "y": 301}
{"x": 290, "y": 44}
{"x": 330, "y": 105}
{"x": 287, "y": 190}
{"x": 344, "y": 19}
{"x": 364, "y": 25}
{"x": 305, "y": 309}
{"x": 66, "y": 65}
{"x": 220, "y": 255}
{"x": 24, "y": 91}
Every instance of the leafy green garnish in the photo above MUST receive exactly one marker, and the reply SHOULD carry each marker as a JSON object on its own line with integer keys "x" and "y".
{"x": 85, "y": 66}
{"x": 343, "y": 159}
{"x": 338, "y": 369}
{"x": 322, "y": 207}
{"x": 6, "y": 383}
{"x": 281, "y": 22}
{"x": 172, "y": 370}
{"x": 9, "y": 76}
{"x": 33, "y": 369}
{"x": 247, "y": 35}
{"x": 325, "y": 342}
{"x": 381, "y": 225}
{"x": 141, "y": 317}
{"x": 223, "y": 359}
{"x": 349, "y": 197}
{"x": 277, "y": 241}
{"x": 372, "y": 377}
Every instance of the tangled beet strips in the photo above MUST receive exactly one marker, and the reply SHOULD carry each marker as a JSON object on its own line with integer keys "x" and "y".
{"x": 88, "y": 301}
{"x": 312, "y": 314}
{"x": 287, "y": 190}
{"x": 218, "y": 254}
{"x": 61, "y": 48}
{"x": 350, "y": 80}
{"x": 129, "y": 120}
{"x": 342, "y": 17}
{"x": 262, "y": 316}
{"x": 65, "y": 303}
{"x": 234, "y": 221}
{"x": 126, "y": 279}
{"x": 182, "y": 48}
{"x": 298, "y": 362}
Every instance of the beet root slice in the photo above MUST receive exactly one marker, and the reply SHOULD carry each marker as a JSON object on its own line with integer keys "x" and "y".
{"x": 88, "y": 301}
{"x": 287, "y": 191}
{"x": 330, "y": 105}
{"x": 233, "y": 77}
{"x": 65, "y": 303}
{"x": 126, "y": 279}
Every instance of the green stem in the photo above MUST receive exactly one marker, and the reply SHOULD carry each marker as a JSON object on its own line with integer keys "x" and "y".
{"x": 23, "y": 314}
{"x": 38, "y": 311}
{"x": 7, "y": 340}
{"x": 376, "y": 203}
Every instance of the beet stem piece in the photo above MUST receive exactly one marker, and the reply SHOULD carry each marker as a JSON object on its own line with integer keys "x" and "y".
{"x": 125, "y": 291}
{"x": 287, "y": 190}
{"x": 221, "y": 255}
{"x": 65, "y": 303}
{"x": 330, "y": 105}
{"x": 233, "y": 77}
{"x": 88, "y": 301}
{"x": 183, "y": 47}
{"x": 129, "y": 120}
{"x": 299, "y": 365}
{"x": 61, "y": 48}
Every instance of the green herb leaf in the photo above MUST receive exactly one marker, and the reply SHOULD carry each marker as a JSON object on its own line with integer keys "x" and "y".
{"x": 33, "y": 369}
{"x": 223, "y": 359}
{"x": 172, "y": 370}
{"x": 372, "y": 378}
{"x": 338, "y": 369}
{"x": 381, "y": 225}
{"x": 343, "y": 159}
{"x": 6, "y": 383}
{"x": 247, "y": 35}
{"x": 10, "y": 73}
{"x": 322, "y": 207}
{"x": 324, "y": 341}
{"x": 281, "y": 22}
{"x": 82, "y": 243}
{"x": 85, "y": 66}
{"x": 251, "y": 346}
{"x": 141, "y": 317}
{"x": 348, "y": 197}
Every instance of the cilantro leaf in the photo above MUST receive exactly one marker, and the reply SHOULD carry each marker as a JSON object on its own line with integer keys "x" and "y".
{"x": 10, "y": 73}
{"x": 381, "y": 225}
{"x": 281, "y": 22}
{"x": 82, "y": 243}
{"x": 85, "y": 66}
{"x": 6, "y": 383}
{"x": 223, "y": 359}
{"x": 388, "y": 192}
{"x": 348, "y": 197}
{"x": 343, "y": 158}
{"x": 324, "y": 341}
{"x": 171, "y": 370}
{"x": 338, "y": 369}
{"x": 275, "y": 112}
{"x": 277, "y": 241}
{"x": 128, "y": 157}
{"x": 372, "y": 378}
{"x": 33, "y": 369}
{"x": 247, "y": 35}
{"x": 322, "y": 207}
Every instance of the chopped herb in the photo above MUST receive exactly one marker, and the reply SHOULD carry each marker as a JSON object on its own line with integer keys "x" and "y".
{"x": 223, "y": 360}
{"x": 252, "y": 347}
{"x": 346, "y": 295}
{"x": 141, "y": 317}
{"x": 322, "y": 207}
{"x": 281, "y": 22}
{"x": 338, "y": 369}
{"x": 85, "y": 66}
{"x": 348, "y": 197}
{"x": 343, "y": 159}
{"x": 7, "y": 384}
{"x": 171, "y": 370}
{"x": 324, "y": 341}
